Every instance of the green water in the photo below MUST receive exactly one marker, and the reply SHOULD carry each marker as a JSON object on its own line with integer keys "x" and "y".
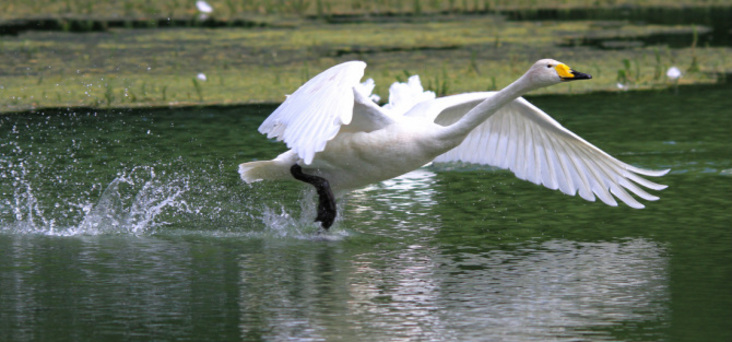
{"x": 135, "y": 226}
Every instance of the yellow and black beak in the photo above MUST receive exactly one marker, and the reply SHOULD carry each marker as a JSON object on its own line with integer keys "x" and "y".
{"x": 567, "y": 74}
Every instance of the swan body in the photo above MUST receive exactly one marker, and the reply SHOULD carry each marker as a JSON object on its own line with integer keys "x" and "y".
{"x": 353, "y": 160}
{"x": 336, "y": 133}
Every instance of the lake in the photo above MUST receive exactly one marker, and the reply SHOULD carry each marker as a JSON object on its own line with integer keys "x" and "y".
{"x": 134, "y": 225}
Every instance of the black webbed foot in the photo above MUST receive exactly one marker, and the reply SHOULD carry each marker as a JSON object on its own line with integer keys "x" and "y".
{"x": 326, "y": 200}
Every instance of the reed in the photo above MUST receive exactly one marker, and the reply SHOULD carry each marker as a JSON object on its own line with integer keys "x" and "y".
{"x": 109, "y": 93}
{"x": 199, "y": 89}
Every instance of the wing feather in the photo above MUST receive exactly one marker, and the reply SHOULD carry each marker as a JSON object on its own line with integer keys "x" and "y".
{"x": 315, "y": 112}
{"x": 522, "y": 138}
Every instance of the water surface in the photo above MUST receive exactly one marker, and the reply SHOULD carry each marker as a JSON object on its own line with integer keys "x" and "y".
{"x": 133, "y": 225}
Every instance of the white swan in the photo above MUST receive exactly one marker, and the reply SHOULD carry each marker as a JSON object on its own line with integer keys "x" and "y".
{"x": 341, "y": 140}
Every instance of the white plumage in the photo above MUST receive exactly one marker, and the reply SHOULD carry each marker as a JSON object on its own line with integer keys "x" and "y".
{"x": 524, "y": 139}
{"x": 335, "y": 131}
{"x": 314, "y": 113}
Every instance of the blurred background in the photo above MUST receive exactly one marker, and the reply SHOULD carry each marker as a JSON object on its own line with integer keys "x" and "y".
{"x": 181, "y": 52}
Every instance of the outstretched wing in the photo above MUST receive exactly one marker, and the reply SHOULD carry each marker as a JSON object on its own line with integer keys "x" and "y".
{"x": 314, "y": 114}
{"x": 449, "y": 108}
{"x": 522, "y": 138}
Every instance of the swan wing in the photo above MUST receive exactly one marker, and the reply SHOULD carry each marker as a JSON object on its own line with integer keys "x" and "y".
{"x": 524, "y": 139}
{"x": 405, "y": 95}
{"x": 315, "y": 112}
{"x": 367, "y": 115}
{"x": 449, "y": 108}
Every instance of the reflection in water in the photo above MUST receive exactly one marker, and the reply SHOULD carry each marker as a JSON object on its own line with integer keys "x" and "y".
{"x": 280, "y": 289}
{"x": 400, "y": 296}
{"x": 288, "y": 289}
{"x": 556, "y": 290}
{"x": 96, "y": 288}
{"x": 400, "y": 201}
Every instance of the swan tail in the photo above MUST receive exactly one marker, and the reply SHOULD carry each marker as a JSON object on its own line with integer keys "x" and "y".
{"x": 263, "y": 170}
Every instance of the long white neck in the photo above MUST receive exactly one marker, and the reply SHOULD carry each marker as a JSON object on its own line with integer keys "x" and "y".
{"x": 460, "y": 129}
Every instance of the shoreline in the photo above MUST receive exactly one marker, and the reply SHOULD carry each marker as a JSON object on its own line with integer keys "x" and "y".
{"x": 267, "y": 107}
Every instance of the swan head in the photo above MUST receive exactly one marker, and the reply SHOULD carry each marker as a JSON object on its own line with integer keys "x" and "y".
{"x": 546, "y": 72}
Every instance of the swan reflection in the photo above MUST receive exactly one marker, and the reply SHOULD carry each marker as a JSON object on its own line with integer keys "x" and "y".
{"x": 398, "y": 199}
{"x": 561, "y": 290}
{"x": 556, "y": 290}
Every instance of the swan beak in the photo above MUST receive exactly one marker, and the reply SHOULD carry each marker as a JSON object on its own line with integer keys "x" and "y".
{"x": 576, "y": 75}
{"x": 567, "y": 74}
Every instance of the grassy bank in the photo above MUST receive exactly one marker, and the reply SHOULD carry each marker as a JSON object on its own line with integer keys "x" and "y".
{"x": 451, "y": 53}
{"x": 230, "y": 9}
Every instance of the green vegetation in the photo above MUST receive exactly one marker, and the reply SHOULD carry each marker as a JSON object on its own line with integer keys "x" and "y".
{"x": 232, "y": 9}
{"x": 123, "y": 67}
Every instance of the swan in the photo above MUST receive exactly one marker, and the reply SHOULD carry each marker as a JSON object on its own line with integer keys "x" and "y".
{"x": 340, "y": 140}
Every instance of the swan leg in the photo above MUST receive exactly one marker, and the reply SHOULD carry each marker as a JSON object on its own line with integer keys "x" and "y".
{"x": 326, "y": 200}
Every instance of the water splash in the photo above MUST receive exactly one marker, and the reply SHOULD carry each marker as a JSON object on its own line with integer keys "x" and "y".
{"x": 279, "y": 221}
{"x": 145, "y": 199}
{"x": 23, "y": 203}
{"x": 135, "y": 202}
{"x": 136, "y": 211}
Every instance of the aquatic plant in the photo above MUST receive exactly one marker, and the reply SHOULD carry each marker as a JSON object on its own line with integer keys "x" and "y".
{"x": 163, "y": 96}
{"x": 694, "y": 67}
{"x": 197, "y": 86}
{"x": 109, "y": 93}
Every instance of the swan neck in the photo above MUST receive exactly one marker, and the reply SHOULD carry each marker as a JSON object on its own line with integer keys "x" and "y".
{"x": 485, "y": 109}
